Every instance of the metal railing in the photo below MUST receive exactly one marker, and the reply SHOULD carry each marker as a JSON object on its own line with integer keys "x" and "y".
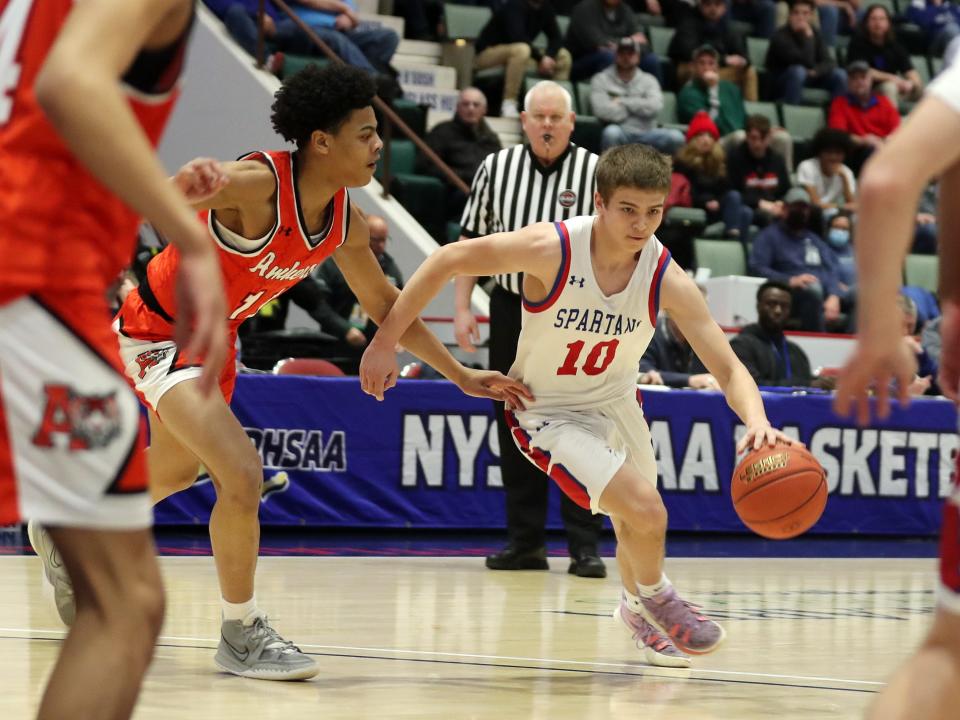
{"x": 384, "y": 109}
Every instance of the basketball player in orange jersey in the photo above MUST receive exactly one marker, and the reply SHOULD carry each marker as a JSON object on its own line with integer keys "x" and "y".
{"x": 926, "y": 147}
{"x": 279, "y": 215}
{"x": 592, "y": 288}
{"x": 80, "y": 111}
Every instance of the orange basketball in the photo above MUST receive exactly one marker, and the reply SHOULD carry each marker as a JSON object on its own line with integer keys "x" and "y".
{"x": 779, "y": 492}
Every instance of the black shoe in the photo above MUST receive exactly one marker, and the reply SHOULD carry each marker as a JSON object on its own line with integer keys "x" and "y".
{"x": 587, "y": 565}
{"x": 514, "y": 558}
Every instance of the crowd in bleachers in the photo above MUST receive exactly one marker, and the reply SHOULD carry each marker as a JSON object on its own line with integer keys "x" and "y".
{"x": 769, "y": 111}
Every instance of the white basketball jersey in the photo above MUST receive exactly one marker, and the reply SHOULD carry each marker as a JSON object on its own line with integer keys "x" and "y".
{"x": 580, "y": 348}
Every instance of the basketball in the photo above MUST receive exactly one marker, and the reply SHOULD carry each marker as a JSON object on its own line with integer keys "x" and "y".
{"x": 779, "y": 492}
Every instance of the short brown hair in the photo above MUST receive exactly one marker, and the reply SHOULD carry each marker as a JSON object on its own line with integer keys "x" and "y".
{"x": 760, "y": 123}
{"x": 636, "y": 166}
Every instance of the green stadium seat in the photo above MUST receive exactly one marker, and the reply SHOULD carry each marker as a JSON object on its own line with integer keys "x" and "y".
{"x": 802, "y": 122}
{"x": 660, "y": 38}
{"x": 464, "y": 22}
{"x": 723, "y": 257}
{"x": 668, "y": 114}
{"x": 815, "y": 97}
{"x": 403, "y": 158}
{"x": 922, "y": 270}
{"x": 425, "y": 198}
{"x": 757, "y": 51}
{"x": 767, "y": 109}
{"x": 583, "y": 98}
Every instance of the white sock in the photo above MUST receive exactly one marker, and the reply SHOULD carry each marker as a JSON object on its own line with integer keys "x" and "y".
{"x": 246, "y": 612}
{"x": 632, "y": 601}
{"x": 648, "y": 591}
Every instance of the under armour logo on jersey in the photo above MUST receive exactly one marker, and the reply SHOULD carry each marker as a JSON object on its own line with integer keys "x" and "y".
{"x": 285, "y": 230}
{"x": 86, "y": 421}
{"x": 574, "y": 280}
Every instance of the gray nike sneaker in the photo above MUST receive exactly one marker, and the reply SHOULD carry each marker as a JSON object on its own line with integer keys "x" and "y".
{"x": 258, "y": 651}
{"x": 54, "y": 571}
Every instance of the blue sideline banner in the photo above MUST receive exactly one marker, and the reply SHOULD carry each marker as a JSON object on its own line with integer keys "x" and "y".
{"x": 427, "y": 457}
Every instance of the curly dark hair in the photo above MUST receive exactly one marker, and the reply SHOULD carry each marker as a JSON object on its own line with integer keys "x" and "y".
{"x": 830, "y": 140}
{"x": 320, "y": 99}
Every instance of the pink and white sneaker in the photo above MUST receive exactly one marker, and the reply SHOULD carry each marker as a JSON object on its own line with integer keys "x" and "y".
{"x": 682, "y": 622}
{"x": 657, "y": 647}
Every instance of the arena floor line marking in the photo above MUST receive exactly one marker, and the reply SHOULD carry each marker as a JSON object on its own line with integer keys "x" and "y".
{"x": 172, "y": 640}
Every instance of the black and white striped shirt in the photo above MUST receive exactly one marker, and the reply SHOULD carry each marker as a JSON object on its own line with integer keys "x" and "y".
{"x": 512, "y": 190}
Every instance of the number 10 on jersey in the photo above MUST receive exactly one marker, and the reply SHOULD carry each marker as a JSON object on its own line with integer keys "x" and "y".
{"x": 598, "y": 359}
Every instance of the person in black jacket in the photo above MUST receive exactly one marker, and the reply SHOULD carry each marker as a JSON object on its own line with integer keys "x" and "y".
{"x": 891, "y": 68}
{"x": 758, "y": 173}
{"x": 709, "y": 26}
{"x": 596, "y": 26}
{"x": 798, "y": 58}
{"x": 462, "y": 143}
{"x": 507, "y": 41}
{"x": 762, "y": 347}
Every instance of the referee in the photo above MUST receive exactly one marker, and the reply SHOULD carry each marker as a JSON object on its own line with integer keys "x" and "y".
{"x": 548, "y": 180}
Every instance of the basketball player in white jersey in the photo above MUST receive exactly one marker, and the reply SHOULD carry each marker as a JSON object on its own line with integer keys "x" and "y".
{"x": 591, "y": 292}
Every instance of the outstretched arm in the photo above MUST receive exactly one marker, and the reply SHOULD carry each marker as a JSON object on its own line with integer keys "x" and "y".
{"x": 535, "y": 250}
{"x": 685, "y": 303}
{"x": 377, "y": 296}
{"x": 79, "y": 90}
{"x": 892, "y": 183}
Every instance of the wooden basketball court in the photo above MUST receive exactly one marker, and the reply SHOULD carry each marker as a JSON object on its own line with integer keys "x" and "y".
{"x": 445, "y": 638}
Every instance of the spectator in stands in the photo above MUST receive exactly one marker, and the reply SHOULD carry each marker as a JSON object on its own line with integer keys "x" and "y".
{"x": 787, "y": 251}
{"x": 838, "y": 234}
{"x": 507, "y": 41}
{"x": 281, "y": 33}
{"x": 596, "y": 26}
{"x": 762, "y": 14}
{"x": 340, "y": 312}
{"x": 762, "y": 347}
{"x": 670, "y": 10}
{"x": 829, "y": 182}
{"x": 669, "y": 360}
{"x": 630, "y": 100}
{"x": 338, "y": 25}
{"x": 868, "y": 118}
{"x": 875, "y": 43}
{"x": 703, "y": 163}
{"x": 924, "y": 381}
{"x": 759, "y": 174}
{"x": 462, "y": 143}
{"x": 798, "y": 58}
{"x": 710, "y": 26}
{"x": 722, "y": 101}
{"x": 931, "y": 341}
{"x": 939, "y": 20}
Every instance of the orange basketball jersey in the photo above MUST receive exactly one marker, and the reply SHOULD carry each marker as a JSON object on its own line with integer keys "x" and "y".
{"x": 254, "y": 271}
{"x": 59, "y": 227}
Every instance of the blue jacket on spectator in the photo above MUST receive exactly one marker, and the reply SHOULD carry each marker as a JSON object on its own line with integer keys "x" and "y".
{"x": 779, "y": 254}
{"x": 931, "y": 18}
{"x": 320, "y": 18}
{"x": 220, "y": 7}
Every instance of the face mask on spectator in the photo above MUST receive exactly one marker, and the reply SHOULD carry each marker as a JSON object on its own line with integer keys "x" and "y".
{"x": 838, "y": 237}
